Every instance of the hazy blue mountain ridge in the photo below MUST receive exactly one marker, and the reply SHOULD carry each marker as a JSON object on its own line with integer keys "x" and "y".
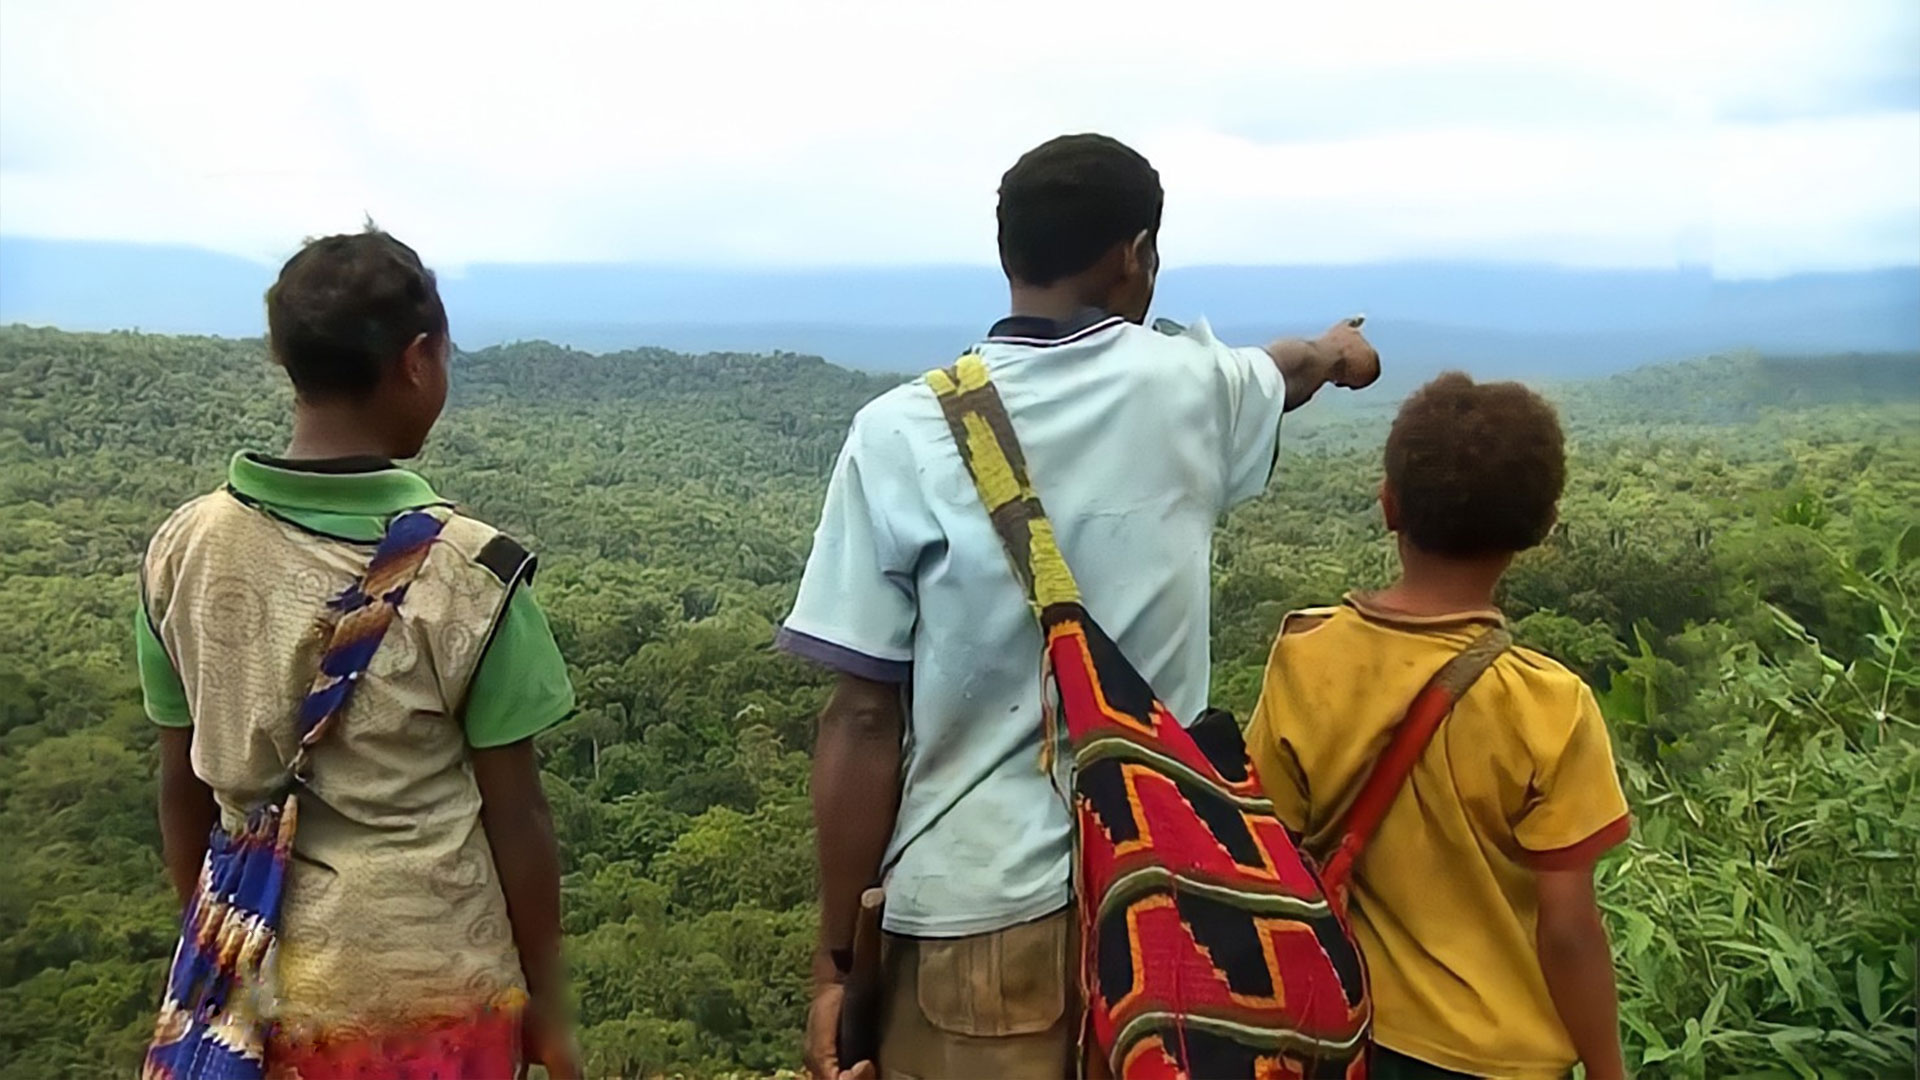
{"x": 1499, "y": 318}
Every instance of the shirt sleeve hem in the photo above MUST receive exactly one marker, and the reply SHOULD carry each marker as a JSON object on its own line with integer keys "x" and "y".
{"x": 1585, "y": 852}
{"x": 162, "y": 698}
{"x": 841, "y": 658}
{"x": 500, "y": 613}
{"x": 561, "y": 712}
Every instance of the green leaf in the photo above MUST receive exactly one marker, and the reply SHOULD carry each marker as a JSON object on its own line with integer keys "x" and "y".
{"x": 1639, "y": 933}
{"x": 1785, "y": 620}
{"x": 1909, "y": 545}
{"x": 1866, "y": 980}
{"x": 1876, "y": 1051}
{"x": 1710, "y": 1019}
{"x": 1782, "y": 1043}
{"x": 1690, "y": 1049}
{"x": 1648, "y": 1033}
{"x": 1783, "y": 973}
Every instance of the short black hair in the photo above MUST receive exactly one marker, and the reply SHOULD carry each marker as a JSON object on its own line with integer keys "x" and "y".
{"x": 1475, "y": 468}
{"x": 345, "y": 307}
{"x": 1068, "y": 201}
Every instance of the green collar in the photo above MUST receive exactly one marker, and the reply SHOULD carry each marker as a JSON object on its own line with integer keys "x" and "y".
{"x": 348, "y": 500}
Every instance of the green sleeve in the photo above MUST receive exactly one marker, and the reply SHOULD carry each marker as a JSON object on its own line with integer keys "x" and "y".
{"x": 521, "y": 687}
{"x": 160, "y": 685}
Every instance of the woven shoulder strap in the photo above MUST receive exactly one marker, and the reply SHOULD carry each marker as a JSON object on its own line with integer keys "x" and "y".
{"x": 365, "y": 611}
{"x": 984, "y": 434}
{"x": 1390, "y": 771}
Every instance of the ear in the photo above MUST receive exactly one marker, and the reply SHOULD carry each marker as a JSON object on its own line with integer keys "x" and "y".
{"x": 419, "y": 361}
{"x": 1389, "y": 507}
{"x": 1142, "y": 259}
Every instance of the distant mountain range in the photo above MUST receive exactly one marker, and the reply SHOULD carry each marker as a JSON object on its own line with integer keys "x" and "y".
{"x": 1492, "y": 318}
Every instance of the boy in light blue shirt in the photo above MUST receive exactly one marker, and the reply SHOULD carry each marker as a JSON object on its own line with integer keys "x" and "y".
{"x": 927, "y": 765}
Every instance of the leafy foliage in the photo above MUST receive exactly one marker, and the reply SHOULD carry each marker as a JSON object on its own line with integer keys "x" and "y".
{"x": 1736, "y": 571}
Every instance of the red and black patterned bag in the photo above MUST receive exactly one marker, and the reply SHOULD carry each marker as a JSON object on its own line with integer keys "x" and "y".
{"x": 1209, "y": 945}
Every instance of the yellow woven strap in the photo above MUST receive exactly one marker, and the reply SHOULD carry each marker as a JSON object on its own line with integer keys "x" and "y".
{"x": 984, "y": 434}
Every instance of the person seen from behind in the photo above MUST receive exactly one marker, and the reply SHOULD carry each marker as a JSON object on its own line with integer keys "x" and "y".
{"x": 929, "y": 770}
{"x": 1474, "y": 904}
{"x": 420, "y": 926}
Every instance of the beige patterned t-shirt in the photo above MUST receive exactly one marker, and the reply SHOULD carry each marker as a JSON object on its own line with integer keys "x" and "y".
{"x": 393, "y": 910}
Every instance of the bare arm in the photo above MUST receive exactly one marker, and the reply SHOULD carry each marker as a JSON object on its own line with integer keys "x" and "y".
{"x": 1578, "y": 965}
{"x": 519, "y": 827}
{"x": 856, "y": 797}
{"x": 187, "y": 812}
{"x": 1341, "y": 356}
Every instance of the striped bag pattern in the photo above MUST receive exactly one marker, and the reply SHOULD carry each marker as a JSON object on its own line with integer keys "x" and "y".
{"x": 215, "y": 1018}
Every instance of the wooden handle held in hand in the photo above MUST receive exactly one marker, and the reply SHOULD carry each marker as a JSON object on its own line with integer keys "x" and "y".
{"x": 859, "y": 1035}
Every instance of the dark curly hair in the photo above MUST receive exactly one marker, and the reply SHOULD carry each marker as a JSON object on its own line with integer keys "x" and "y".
{"x": 345, "y": 308}
{"x": 1068, "y": 201}
{"x": 1475, "y": 468}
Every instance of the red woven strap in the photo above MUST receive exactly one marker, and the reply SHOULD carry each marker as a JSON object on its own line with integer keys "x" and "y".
{"x": 1390, "y": 771}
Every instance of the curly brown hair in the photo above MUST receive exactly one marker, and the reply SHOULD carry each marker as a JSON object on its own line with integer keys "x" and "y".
{"x": 1475, "y": 468}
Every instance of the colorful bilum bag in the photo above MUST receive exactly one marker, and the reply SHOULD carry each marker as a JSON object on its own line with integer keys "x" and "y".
{"x": 216, "y": 1018}
{"x": 1210, "y": 946}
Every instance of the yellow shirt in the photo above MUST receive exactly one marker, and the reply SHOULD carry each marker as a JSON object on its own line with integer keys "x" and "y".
{"x": 1520, "y": 776}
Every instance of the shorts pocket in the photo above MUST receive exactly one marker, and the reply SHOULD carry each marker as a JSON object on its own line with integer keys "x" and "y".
{"x": 1011, "y": 982}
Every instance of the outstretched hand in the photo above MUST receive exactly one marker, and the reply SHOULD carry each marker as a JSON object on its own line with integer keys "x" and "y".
{"x": 1341, "y": 356}
{"x": 1353, "y": 362}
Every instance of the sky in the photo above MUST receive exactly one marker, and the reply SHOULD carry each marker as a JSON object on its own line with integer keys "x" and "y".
{"x": 1758, "y": 137}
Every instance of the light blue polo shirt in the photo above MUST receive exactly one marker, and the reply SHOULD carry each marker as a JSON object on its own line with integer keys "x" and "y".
{"x": 1137, "y": 441}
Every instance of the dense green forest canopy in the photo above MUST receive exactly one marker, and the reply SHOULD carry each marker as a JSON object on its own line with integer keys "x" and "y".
{"x": 1736, "y": 573}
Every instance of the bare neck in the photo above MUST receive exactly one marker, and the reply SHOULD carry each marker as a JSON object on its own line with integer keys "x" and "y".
{"x": 1440, "y": 585}
{"x": 1059, "y": 301}
{"x": 323, "y": 430}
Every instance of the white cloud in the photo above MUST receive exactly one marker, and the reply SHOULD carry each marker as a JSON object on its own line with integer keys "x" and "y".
{"x": 1767, "y": 136}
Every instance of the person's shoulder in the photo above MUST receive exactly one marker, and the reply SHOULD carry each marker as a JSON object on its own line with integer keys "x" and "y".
{"x": 1331, "y": 626}
{"x": 214, "y": 506}
{"x": 206, "y": 529}
{"x": 1542, "y": 691}
{"x": 1305, "y": 620}
{"x": 194, "y": 517}
{"x": 475, "y": 604}
{"x": 912, "y": 400}
{"x": 1194, "y": 342}
{"x": 482, "y": 550}
{"x": 897, "y": 421}
{"x": 1184, "y": 363}
{"x": 1311, "y": 639}
{"x": 1541, "y": 671}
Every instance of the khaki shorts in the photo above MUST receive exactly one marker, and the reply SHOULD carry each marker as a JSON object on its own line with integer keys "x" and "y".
{"x": 1003, "y": 1004}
